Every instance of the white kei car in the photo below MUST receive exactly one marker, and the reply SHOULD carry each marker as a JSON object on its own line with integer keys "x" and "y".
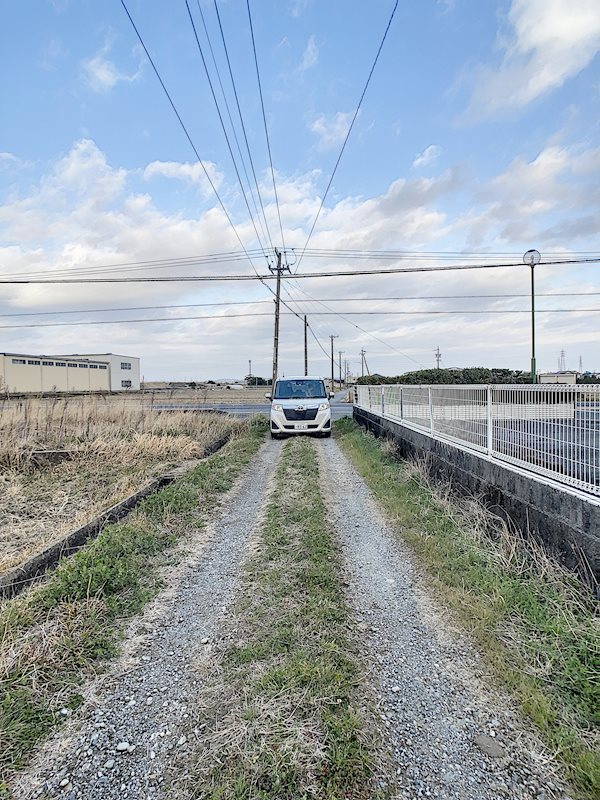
{"x": 300, "y": 405}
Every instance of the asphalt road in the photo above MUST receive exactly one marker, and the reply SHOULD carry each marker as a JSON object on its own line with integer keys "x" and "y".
{"x": 244, "y": 410}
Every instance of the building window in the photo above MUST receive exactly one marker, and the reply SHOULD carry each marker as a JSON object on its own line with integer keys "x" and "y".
{"x": 33, "y": 361}
{"x": 47, "y": 363}
{"x": 125, "y": 365}
{"x": 93, "y": 366}
{"x": 82, "y": 366}
{"x": 126, "y": 384}
{"x": 61, "y": 364}
{"x": 102, "y": 366}
{"x": 19, "y": 361}
{"x": 72, "y": 365}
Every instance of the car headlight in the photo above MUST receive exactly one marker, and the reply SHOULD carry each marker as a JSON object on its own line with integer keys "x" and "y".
{"x": 276, "y": 407}
{"x": 323, "y": 406}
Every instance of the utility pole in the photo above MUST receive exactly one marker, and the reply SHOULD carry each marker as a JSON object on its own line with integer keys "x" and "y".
{"x": 250, "y": 372}
{"x": 531, "y": 258}
{"x": 438, "y": 357}
{"x": 278, "y": 269}
{"x": 332, "y": 336}
{"x": 305, "y": 345}
{"x": 340, "y": 365}
{"x": 362, "y": 363}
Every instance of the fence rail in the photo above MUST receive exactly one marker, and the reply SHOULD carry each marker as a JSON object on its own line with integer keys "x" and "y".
{"x": 551, "y": 430}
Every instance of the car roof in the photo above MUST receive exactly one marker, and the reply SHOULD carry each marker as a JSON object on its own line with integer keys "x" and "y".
{"x": 301, "y": 378}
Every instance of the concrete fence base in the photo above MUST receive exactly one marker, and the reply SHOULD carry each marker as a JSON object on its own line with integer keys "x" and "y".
{"x": 567, "y": 525}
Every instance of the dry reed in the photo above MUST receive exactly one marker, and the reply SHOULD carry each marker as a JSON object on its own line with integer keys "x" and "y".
{"x": 64, "y": 460}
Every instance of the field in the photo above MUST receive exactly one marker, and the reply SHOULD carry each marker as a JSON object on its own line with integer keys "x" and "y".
{"x": 64, "y": 460}
{"x": 206, "y": 394}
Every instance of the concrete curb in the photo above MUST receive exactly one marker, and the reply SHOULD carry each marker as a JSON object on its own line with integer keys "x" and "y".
{"x": 19, "y": 578}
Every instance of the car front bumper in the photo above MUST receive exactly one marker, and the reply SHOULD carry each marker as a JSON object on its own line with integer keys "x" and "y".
{"x": 322, "y": 422}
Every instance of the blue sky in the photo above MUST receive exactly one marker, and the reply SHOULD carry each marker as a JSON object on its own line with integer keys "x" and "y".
{"x": 479, "y": 133}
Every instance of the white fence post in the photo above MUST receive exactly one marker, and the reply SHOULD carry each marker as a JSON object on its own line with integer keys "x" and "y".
{"x": 490, "y": 429}
{"x": 430, "y": 409}
{"x": 383, "y": 401}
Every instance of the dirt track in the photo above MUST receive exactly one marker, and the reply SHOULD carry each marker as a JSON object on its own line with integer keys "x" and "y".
{"x": 447, "y": 733}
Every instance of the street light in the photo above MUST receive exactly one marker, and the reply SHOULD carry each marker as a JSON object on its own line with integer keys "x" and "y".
{"x": 531, "y": 258}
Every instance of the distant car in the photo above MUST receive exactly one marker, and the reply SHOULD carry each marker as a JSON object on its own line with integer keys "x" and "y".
{"x": 300, "y": 405}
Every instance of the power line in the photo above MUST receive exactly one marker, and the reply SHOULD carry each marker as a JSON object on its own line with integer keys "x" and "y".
{"x": 136, "y": 266}
{"x": 339, "y": 158}
{"x": 293, "y": 313}
{"x": 223, "y": 128}
{"x": 264, "y": 116}
{"x": 265, "y": 232}
{"x": 296, "y": 302}
{"x": 305, "y": 275}
{"x": 237, "y": 101}
{"x": 185, "y": 130}
{"x": 358, "y": 327}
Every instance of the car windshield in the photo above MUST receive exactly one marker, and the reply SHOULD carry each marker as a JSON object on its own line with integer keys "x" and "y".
{"x": 299, "y": 390}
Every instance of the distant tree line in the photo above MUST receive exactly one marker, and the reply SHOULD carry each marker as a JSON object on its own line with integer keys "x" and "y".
{"x": 452, "y": 376}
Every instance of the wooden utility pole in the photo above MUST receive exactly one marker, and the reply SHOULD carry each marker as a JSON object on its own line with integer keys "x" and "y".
{"x": 305, "y": 345}
{"x": 340, "y": 365}
{"x": 278, "y": 269}
{"x": 332, "y": 336}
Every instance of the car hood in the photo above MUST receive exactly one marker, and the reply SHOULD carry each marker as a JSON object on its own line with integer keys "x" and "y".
{"x": 301, "y": 402}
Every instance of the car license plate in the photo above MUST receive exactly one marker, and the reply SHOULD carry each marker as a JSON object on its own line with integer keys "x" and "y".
{"x": 301, "y": 426}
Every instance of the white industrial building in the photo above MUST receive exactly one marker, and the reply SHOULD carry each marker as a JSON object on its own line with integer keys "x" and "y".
{"x": 33, "y": 374}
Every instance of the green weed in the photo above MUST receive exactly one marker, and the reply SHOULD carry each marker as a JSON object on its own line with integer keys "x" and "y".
{"x": 537, "y": 628}
{"x": 59, "y": 633}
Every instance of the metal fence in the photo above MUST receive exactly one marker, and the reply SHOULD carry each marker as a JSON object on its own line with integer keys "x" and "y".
{"x": 550, "y": 430}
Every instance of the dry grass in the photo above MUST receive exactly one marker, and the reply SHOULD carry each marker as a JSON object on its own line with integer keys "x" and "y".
{"x": 534, "y": 621}
{"x": 280, "y": 705}
{"x": 105, "y": 451}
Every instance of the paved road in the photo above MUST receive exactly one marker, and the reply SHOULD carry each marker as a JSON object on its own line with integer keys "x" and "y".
{"x": 243, "y": 410}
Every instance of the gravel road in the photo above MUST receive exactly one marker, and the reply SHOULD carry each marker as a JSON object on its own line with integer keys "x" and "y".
{"x": 449, "y": 734}
{"x": 135, "y": 724}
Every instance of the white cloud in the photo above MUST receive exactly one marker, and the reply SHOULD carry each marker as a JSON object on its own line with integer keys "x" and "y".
{"x": 85, "y": 212}
{"x": 102, "y": 75}
{"x": 51, "y": 53}
{"x": 298, "y": 7}
{"x": 550, "y": 41}
{"x": 310, "y": 55}
{"x": 331, "y": 129}
{"x": 184, "y": 171}
{"x": 429, "y": 156}
{"x": 9, "y": 159}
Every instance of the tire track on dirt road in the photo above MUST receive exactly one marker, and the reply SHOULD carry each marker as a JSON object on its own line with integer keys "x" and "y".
{"x": 133, "y": 725}
{"x": 449, "y": 732}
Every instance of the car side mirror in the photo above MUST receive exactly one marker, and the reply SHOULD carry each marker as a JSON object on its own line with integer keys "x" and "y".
{"x": 268, "y": 395}
{"x": 331, "y": 395}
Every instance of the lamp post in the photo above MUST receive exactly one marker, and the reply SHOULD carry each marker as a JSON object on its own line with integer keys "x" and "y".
{"x": 531, "y": 258}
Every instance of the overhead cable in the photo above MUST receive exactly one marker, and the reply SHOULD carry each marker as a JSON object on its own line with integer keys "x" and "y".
{"x": 345, "y": 142}
{"x": 237, "y": 101}
{"x": 296, "y": 302}
{"x": 265, "y": 231}
{"x": 264, "y": 116}
{"x": 293, "y": 313}
{"x": 186, "y": 132}
{"x": 302, "y": 276}
{"x": 223, "y": 128}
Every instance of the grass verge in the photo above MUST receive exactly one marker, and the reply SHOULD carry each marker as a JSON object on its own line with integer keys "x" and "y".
{"x": 282, "y": 716}
{"x": 59, "y": 633}
{"x": 535, "y": 624}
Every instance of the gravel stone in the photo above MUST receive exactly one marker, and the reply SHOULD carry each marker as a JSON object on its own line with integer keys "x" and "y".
{"x": 193, "y": 612}
{"x": 435, "y": 701}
